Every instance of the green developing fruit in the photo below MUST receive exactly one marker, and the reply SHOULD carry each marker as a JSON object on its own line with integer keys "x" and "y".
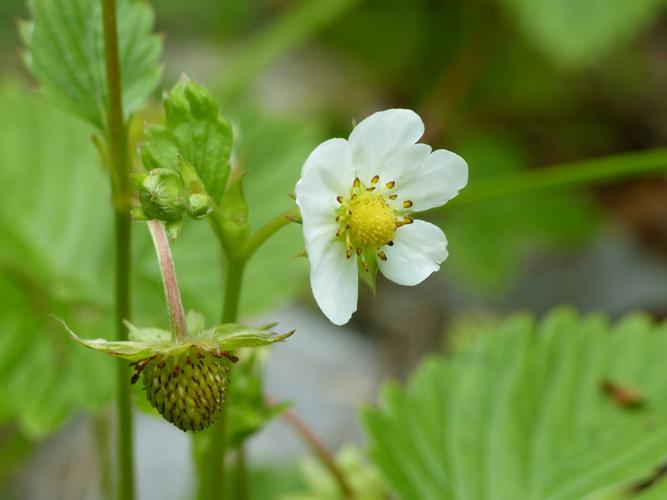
{"x": 188, "y": 388}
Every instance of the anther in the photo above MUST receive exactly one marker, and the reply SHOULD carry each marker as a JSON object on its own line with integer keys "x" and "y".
{"x": 337, "y": 218}
{"x": 382, "y": 256}
{"x": 340, "y": 199}
{"x": 392, "y": 197}
{"x": 408, "y": 220}
{"x": 356, "y": 182}
{"x": 348, "y": 253}
{"x": 359, "y": 250}
{"x": 390, "y": 243}
{"x": 407, "y": 204}
{"x": 390, "y": 185}
{"x": 375, "y": 179}
{"x": 354, "y": 196}
{"x": 372, "y": 188}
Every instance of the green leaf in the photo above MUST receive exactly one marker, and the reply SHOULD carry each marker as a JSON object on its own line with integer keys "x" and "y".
{"x": 575, "y": 33}
{"x": 523, "y": 411}
{"x": 195, "y": 132}
{"x": 66, "y": 54}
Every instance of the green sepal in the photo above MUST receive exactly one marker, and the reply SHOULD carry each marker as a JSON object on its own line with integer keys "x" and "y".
{"x": 232, "y": 336}
{"x": 369, "y": 277}
{"x": 147, "y": 342}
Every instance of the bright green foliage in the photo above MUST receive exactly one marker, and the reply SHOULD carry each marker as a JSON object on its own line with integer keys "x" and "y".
{"x": 66, "y": 54}
{"x": 575, "y": 32}
{"x": 525, "y": 411}
{"x": 195, "y": 132}
{"x": 53, "y": 260}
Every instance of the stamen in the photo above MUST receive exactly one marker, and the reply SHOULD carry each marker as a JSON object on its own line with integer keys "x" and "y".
{"x": 372, "y": 188}
{"x": 390, "y": 185}
{"x": 392, "y": 197}
{"x": 407, "y": 204}
{"x": 340, "y": 199}
{"x": 408, "y": 220}
{"x": 382, "y": 256}
{"x": 375, "y": 179}
{"x": 356, "y": 182}
{"x": 348, "y": 253}
{"x": 359, "y": 250}
{"x": 337, "y": 218}
{"x": 390, "y": 243}
{"x": 338, "y": 233}
{"x": 354, "y": 196}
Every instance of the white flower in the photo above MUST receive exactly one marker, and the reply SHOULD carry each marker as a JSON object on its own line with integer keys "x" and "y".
{"x": 357, "y": 198}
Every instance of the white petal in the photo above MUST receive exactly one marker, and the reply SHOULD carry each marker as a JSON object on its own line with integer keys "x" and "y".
{"x": 326, "y": 174}
{"x": 435, "y": 182}
{"x": 329, "y": 167}
{"x": 418, "y": 250}
{"x": 381, "y": 135}
{"x": 403, "y": 166}
{"x": 334, "y": 281}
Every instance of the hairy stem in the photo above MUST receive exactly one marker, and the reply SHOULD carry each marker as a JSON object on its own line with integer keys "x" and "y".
{"x": 116, "y": 136}
{"x": 179, "y": 329}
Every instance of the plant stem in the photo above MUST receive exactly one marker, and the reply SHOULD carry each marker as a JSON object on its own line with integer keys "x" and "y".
{"x": 268, "y": 230}
{"x": 566, "y": 175}
{"x": 116, "y": 136}
{"x": 218, "y": 447}
{"x": 320, "y": 450}
{"x": 179, "y": 329}
{"x": 241, "y": 474}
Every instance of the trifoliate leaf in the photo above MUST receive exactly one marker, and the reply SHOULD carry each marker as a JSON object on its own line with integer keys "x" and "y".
{"x": 195, "y": 132}
{"x": 522, "y": 411}
{"x": 66, "y": 54}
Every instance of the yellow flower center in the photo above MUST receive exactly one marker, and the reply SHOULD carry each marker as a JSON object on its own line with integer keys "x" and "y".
{"x": 372, "y": 222}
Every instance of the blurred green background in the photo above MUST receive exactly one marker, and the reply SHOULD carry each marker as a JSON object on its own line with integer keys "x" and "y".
{"x": 511, "y": 85}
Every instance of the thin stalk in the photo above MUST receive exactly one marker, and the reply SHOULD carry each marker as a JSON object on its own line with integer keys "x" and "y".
{"x": 320, "y": 450}
{"x": 179, "y": 329}
{"x": 218, "y": 446}
{"x": 241, "y": 489}
{"x": 580, "y": 173}
{"x": 268, "y": 230}
{"x": 116, "y": 136}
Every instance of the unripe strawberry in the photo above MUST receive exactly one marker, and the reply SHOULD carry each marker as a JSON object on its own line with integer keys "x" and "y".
{"x": 188, "y": 388}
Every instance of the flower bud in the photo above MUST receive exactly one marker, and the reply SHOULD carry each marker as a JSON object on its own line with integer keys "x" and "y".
{"x": 200, "y": 205}
{"x": 162, "y": 194}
